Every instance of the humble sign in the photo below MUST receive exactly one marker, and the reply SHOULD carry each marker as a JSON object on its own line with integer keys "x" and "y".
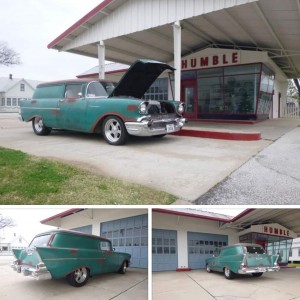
{"x": 276, "y": 231}
{"x": 216, "y": 60}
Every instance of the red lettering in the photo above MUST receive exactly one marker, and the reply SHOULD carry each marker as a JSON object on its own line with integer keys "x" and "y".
{"x": 193, "y": 62}
{"x": 215, "y": 60}
{"x": 280, "y": 231}
{"x": 204, "y": 61}
{"x": 266, "y": 229}
{"x": 235, "y": 58}
{"x": 184, "y": 64}
{"x": 271, "y": 229}
{"x": 225, "y": 62}
{"x": 288, "y": 233}
{"x": 276, "y": 230}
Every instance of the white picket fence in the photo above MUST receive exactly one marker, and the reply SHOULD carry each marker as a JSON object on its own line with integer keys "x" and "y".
{"x": 291, "y": 111}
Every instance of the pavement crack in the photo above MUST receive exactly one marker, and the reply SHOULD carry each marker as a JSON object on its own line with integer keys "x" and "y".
{"x": 131, "y": 287}
{"x": 200, "y": 285}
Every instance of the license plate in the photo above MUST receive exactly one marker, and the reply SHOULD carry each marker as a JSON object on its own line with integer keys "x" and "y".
{"x": 170, "y": 127}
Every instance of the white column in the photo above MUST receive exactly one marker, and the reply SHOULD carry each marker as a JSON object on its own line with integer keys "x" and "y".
{"x": 101, "y": 59}
{"x": 177, "y": 59}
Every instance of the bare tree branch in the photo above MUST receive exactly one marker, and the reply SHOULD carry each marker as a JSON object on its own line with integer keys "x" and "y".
{"x": 6, "y": 222}
{"x": 8, "y": 56}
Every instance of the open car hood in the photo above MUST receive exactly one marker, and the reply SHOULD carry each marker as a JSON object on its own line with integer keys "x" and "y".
{"x": 138, "y": 79}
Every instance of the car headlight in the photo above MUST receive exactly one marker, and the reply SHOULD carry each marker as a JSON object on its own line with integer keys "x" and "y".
{"x": 180, "y": 108}
{"x": 143, "y": 108}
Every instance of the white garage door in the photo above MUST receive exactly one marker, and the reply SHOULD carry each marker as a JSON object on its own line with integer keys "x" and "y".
{"x": 202, "y": 246}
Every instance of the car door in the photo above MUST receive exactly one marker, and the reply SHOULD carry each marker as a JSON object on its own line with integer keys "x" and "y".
{"x": 112, "y": 261}
{"x": 72, "y": 108}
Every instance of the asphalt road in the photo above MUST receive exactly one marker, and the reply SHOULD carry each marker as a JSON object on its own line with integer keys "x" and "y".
{"x": 271, "y": 177}
{"x": 184, "y": 166}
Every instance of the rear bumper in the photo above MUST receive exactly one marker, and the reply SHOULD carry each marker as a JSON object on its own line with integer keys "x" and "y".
{"x": 146, "y": 127}
{"x": 39, "y": 274}
{"x": 250, "y": 270}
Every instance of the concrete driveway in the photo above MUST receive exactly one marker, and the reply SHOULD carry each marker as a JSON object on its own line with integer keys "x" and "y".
{"x": 198, "y": 284}
{"x": 131, "y": 286}
{"x": 184, "y": 166}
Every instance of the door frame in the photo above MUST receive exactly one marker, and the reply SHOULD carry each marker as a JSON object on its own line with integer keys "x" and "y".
{"x": 190, "y": 83}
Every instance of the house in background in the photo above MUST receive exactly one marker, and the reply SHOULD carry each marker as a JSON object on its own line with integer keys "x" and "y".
{"x": 295, "y": 251}
{"x": 9, "y": 242}
{"x": 12, "y": 90}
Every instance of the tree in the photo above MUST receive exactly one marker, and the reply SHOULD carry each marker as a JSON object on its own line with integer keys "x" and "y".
{"x": 294, "y": 89}
{"x": 8, "y": 56}
{"x": 6, "y": 222}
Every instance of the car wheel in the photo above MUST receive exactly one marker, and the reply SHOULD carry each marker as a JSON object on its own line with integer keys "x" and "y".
{"x": 228, "y": 273}
{"x": 79, "y": 277}
{"x": 123, "y": 268}
{"x": 257, "y": 274}
{"x": 39, "y": 127}
{"x": 208, "y": 269}
{"x": 114, "y": 131}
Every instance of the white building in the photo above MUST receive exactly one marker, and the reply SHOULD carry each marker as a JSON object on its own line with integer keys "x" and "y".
{"x": 15, "y": 241}
{"x": 184, "y": 238}
{"x": 295, "y": 251}
{"x": 232, "y": 58}
{"x": 12, "y": 90}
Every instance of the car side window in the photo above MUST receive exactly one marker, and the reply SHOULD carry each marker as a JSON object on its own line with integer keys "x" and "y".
{"x": 105, "y": 246}
{"x": 73, "y": 90}
{"x": 216, "y": 253}
{"x": 95, "y": 89}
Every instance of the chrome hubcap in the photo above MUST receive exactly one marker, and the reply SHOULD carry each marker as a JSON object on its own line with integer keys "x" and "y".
{"x": 38, "y": 124}
{"x": 80, "y": 275}
{"x": 113, "y": 130}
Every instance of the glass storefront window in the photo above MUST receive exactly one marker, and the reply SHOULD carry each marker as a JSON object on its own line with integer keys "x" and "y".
{"x": 273, "y": 245}
{"x": 237, "y": 91}
{"x": 158, "y": 90}
{"x": 241, "y": 93}
{"x": 210, "y": 95}
{"x": 265, "y": 91}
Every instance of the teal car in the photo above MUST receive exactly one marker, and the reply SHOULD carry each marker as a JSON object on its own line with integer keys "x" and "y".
{"x": 68, "y": 254}
{"x": 242, "y": 259}
{"x": 98, "y": 106}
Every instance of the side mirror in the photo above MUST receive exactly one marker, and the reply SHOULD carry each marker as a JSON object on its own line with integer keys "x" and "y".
{"x": 80, "y": 95}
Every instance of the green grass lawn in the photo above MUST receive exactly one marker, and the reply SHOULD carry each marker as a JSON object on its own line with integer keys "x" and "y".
{"x": 26, "y": 179}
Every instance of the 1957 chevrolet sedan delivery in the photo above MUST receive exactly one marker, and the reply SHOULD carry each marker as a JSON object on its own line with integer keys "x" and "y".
{"x": 94, "y": 106}
{"x": 74, "y": 255}
{"x": 242, "y": 259}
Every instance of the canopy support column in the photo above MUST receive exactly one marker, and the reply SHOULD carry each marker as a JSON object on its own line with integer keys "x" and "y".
{"x": 177, "y": 59}
{"x": 101, "y": 59}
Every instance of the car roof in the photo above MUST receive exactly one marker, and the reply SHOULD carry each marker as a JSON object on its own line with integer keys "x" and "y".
{"x": 72, "y": 232}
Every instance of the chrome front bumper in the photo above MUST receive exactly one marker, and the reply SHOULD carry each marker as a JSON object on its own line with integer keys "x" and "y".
{"x": 146, "y": 127}
{"x": 250, "y": 270}
{"x": 40, "y": 274}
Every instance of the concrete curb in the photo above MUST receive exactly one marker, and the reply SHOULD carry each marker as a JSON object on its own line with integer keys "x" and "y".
{"x": 222, "y": 135}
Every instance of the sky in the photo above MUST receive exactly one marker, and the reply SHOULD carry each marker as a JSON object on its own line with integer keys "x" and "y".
{"x": 27, "y": 220}
{"x": 29, "y": 26}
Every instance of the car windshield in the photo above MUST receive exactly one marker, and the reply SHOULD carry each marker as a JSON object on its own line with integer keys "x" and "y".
{"x": 255, "y": 250}
{"x": 97, "y": 89}
{"x": 41, "y": 240}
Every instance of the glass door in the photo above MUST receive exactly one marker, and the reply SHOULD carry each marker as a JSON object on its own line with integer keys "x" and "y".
{"x": 189, "y": 98}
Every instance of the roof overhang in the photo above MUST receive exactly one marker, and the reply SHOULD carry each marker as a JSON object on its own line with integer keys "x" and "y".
{"x": 287, "y": 217}
{"x": 258, "y": 25}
